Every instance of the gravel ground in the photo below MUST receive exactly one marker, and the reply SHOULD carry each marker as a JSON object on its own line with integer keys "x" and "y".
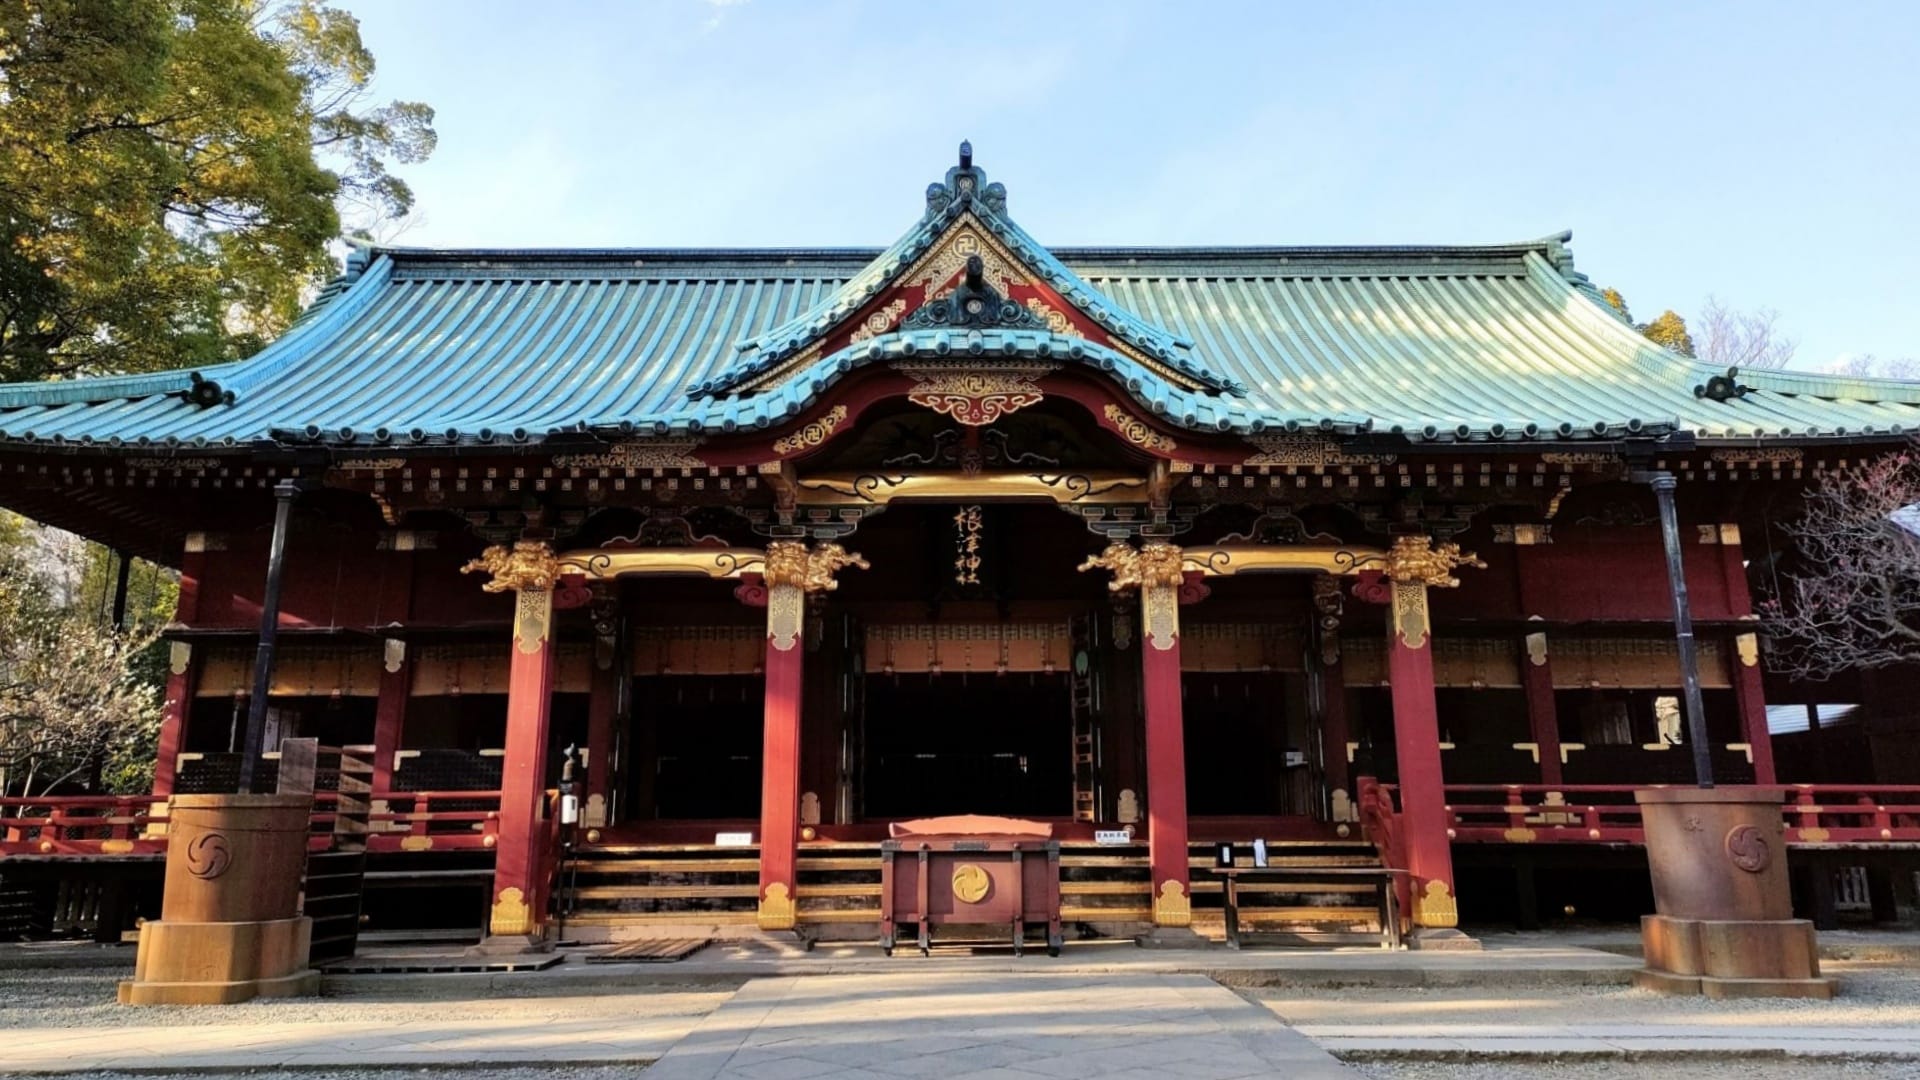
{"x": 1642, "y": 1070}
{"x": 531, "y": 1072}
{"x": 86, "y": 999}
{"x": 1870, "y": 996}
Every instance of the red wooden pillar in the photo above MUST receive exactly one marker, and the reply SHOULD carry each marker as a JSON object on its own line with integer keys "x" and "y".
{"x": 1334, "y": 737}
{"x": 390, "y": 711}
{"x": 520, "y": 871}
{"x": 1331, "y": 700}
{"x": 1751, "y": 697}
{"x": 1155, "y": 569}
{"x": 1413, "y": 565}
{"x": 1543, "y": 715}
{"x": 396, "y": 666}
{"x": 603, "y": 705}
{"x": 1747, "y": 686}
{"x": 792, "y": 572}
{"x": 1166, "y": 754}
{"x": 182, "y": 666}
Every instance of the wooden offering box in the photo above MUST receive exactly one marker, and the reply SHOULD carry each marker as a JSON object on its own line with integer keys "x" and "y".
{"x": 977, "y": 872}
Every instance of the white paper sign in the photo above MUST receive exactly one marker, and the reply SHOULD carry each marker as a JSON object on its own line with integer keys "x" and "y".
{"x": 733, "y": 839}
{"x": 1112, "y": 836}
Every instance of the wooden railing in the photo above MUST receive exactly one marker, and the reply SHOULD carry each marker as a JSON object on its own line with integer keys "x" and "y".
{"x": 1853, "y": 813}
{"x": 1607, "y": 813}
{"x": 1380, "y": 824}
{"x": 1543, "y": 813}
{"x": 125, "y": 824}
{"x": 81, "y": 825}
{"x": 421, "y": 820}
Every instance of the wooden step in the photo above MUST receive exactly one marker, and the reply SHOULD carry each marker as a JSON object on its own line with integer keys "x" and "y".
{"x": 664, "y": 892}
{"x": 852, "y": 889}
{"x": 1105, "y": 914}
{"x": 665, "y": 866}
{"x": 643, "y": 918}
{"x": 651, "y": 951}
{"x": 1250, "y": 888}
{"x": 1251, "y": 915}
{"x": 1106, "y": 888}
{"x": 840, "y": 863}
{"x": 839, "y": 915}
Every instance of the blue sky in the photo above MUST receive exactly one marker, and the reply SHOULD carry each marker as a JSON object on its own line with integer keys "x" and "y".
{"x": 1763, "y": 153}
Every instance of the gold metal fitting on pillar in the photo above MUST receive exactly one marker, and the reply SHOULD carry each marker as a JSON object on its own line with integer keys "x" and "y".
{"x": 1157, "y": 570}
{"x": 1415, "y": 564}
{"x": 793, "y": 573}
{"x": 1433, "y": 905}
{"x": 530, "y": 569}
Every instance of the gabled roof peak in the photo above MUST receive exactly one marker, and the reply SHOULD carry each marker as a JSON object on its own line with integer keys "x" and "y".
{"x": 1024, "y": 286}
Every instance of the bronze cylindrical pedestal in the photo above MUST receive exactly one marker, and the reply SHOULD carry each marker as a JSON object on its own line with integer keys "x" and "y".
{"x": 1724, "y": 925}
{"x": 229, "y": 926}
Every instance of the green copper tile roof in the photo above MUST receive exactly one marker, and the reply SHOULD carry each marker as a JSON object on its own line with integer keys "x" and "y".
{"x": 415, "y": 347}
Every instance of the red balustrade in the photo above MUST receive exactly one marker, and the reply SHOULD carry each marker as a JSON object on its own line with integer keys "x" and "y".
{"x": 80, "y": 825}
{"x": 1607, "y": 813}
{"x": 1380, "y": 824}
{"x": 1853, "y": 813}
{"x": 419, "y": 820}
{"x": 129, "y": 824}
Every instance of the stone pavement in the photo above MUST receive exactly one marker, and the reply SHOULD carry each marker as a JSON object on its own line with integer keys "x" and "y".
{"x": 1005, "y": 1027}
{"x": 1538, "y": 964}
{"x": 197, "y": 1048}
{"x": 1479, "y": 1041}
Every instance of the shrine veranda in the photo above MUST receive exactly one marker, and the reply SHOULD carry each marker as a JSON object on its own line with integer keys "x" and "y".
{"x": 1358, "y": 551}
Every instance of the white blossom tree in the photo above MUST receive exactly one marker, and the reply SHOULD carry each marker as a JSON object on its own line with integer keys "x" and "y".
{"x": 74, "y": 695}
{"x": 1852, "y": 598}
{"x": 1748, "y": 340}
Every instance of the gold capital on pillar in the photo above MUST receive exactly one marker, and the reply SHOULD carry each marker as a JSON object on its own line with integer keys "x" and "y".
{"x": 1417, "y": 559}
{"x": 1413, "y": 565}
{"x": 791, "y": 563}
{"x": 528, "y": 564}
{"x": 793, "y": 571}
{"x": 1156, "y": 570}
{"x": 529, "y": 569}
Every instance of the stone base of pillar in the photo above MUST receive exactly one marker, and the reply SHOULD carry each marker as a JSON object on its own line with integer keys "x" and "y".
{"x": 1663, "y": 982}
{"x": 1442, "y": 939}
{"x": 1723, "y": 959}
{"x": 221, "y": 963}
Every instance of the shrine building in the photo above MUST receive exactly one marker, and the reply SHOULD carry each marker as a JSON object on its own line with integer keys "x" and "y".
{"x": 1364, "y": 552}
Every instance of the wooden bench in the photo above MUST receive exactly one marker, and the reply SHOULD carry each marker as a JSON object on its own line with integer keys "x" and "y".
{"x": 1380, "y": 878}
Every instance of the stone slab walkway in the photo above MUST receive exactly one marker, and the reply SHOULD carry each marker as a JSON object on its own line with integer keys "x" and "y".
{"x": 1610, "y": 1040}
{"x": 992, "y": 1027}
{"x": 196, "y": 1048}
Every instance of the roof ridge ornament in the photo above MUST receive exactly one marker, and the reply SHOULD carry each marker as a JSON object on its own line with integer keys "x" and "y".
{"x": 965, "y": 186}
{"x": 973, "y": 303}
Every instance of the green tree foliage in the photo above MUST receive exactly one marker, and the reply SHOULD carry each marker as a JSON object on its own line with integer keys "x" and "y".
{"x": 172, "y": 172}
